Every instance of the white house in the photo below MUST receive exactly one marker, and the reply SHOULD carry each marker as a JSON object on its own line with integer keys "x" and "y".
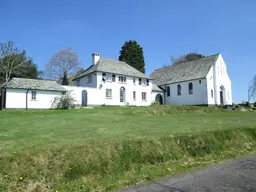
{"x": 200, "y": 82}
{"x": 108, "y": 82}
{"x": 21, "y": 93}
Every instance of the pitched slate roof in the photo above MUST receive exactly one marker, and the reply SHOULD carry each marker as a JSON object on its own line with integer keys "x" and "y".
{"x": 184, "y": 71}
{"x": 34, "y": 84}
{"x": 112, "y": 66}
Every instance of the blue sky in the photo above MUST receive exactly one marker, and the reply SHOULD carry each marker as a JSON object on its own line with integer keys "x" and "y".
{"x": 163, "y": 28}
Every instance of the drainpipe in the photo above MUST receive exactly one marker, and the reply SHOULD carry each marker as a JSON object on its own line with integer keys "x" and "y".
{"x": 27, "y": 99}
{"x": 165, "y": 94}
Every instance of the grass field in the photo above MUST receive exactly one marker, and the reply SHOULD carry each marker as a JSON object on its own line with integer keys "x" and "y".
{"x": 110, "y": 147}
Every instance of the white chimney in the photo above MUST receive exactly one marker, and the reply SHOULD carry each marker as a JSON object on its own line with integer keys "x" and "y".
{"x": 95, "y": 58}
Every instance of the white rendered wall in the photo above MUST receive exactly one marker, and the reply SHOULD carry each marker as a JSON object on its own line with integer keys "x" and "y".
{"x": 97, "y": 95}
{"x": 16, "y": 99}
{"x": 199, "y": 96}
{"x": 92, "y": 95}
{"x": 216, "y": 78}
{"x": 129, "y": 88}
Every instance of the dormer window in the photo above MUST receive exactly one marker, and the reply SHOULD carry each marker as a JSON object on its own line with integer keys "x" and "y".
{"x": 107, "y": 77}
{"x": 142, "y": 81}
{"x": 104, "y": 77}
{"x": 113, "y": 78}
{"x": 122, "y": 79}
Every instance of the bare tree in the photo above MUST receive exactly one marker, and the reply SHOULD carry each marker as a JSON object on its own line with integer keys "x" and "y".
{"x": 252, "y": 88}
{"x": 64, "y": 62}
{"x": 11, "y": 59}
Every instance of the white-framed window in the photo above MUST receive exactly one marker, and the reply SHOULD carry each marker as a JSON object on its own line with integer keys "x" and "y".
{"x": 33, "y": 95}
{"x": 122, "y": 79}
{"x": 144, "y": 96}
{"x": 212, "y": 93}
{"x": 113, "y": 78}
{"x": 134, "y": 95}
{"x": 142, "y": 82}
{"x": 134, "y": 80}
{"x": 89, "y": 78}
{"x": 109, "y": 93}
{"x": 108, "y": 77}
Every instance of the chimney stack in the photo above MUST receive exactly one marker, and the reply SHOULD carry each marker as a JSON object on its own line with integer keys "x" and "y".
{"x": 95, "y": 58}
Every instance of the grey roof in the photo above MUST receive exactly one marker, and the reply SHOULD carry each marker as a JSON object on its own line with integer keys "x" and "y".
{"x": 115, "y": 67}
{"x": 184, "y": 71}
{"x": 34, "y": 84}
{"x": 156, "y": 88}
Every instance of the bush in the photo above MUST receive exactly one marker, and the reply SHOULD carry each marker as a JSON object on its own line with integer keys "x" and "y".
{"x": 65, "y": 101}
{"x": 235, "y": 107}
{"x": 247, "y": 104}
{"x": 254, "y": 104}
{"x": 155, "y": 103}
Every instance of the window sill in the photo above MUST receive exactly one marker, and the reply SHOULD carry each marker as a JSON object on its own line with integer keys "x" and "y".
{"x": 122, "y": 82}
{"x": 108, "y": 97}
{"x": 143, "y": 100}
{"x": 33, "y": 100}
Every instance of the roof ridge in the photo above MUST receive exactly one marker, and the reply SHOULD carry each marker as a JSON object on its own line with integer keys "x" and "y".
{"x": 34, "y": 79}
{"x": 187, "y": 61}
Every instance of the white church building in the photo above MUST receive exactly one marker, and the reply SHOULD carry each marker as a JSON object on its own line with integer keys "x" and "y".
{"x": 108, "y": 82}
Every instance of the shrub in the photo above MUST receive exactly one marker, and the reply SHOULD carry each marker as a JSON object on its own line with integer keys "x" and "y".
{"x": 65, "y": 101}
{"x": 155, "y": 103}
{"x": 235, "y": 107}
{"x": 254, "y": 104}
{"x": 247, "y": 104}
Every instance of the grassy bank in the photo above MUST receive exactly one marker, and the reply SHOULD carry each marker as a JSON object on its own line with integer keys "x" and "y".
{"x": 108, "y": 148}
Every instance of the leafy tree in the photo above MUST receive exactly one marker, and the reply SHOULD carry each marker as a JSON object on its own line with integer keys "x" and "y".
{"x": 63, "y": 62}
{"x": 15, "y": 63}
{"x": 187, "y": 57}
{"x": 132, "y": 53}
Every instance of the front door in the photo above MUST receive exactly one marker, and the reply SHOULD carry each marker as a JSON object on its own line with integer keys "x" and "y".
{"x": 84, "y": 98}
{"x": 221, "y": 97}
{"x": 122, "y": 94}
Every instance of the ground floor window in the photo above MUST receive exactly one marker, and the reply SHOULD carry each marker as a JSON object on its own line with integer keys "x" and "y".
{"x": 212, "y": 93}
{"x": 144, "y": 96}
{"x": 33, "y": 95}
{"x": 108, "y": 93}
{"x": 134, "y": 95}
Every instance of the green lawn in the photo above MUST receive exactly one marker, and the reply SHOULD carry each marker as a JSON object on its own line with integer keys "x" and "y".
{"x": 28, "y": 131}
{"x": 107, "y": 148}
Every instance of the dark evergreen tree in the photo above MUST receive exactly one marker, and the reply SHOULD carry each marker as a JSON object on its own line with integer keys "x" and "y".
{"x": 132, "y": 53}
{"x": 65, "y": 79}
